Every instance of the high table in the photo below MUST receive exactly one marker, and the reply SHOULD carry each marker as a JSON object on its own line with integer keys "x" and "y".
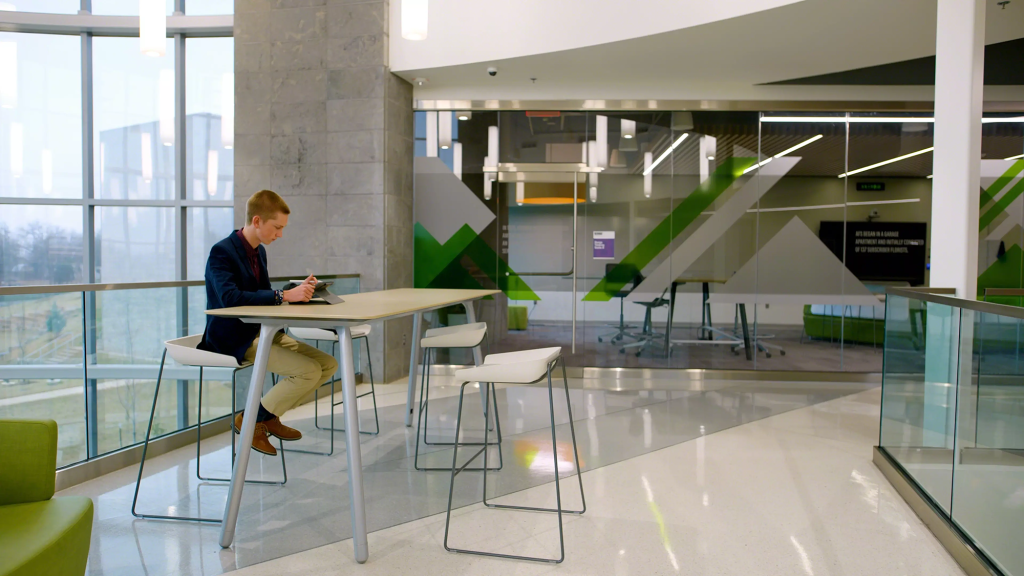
{"x": 705, "y": 313}
{"x": 356, "y": 309}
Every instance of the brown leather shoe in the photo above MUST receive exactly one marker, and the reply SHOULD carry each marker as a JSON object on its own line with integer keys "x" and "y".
{"x": 260, "y": 441}
{"x": 276, "y": 428}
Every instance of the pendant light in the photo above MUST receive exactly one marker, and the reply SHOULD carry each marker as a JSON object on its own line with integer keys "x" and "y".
{"x": 414, "y": 19}
{"x": 432, "y": 134}
{"x": 628, "y": 129}
{"x": 602, "y": 141}
{"x": 457, "y": 159}
{"x": 444, "y": 129}
{"x": 152, "y": 28}
{"x": 520, "y": 192}
{"x": 648, "y": 160}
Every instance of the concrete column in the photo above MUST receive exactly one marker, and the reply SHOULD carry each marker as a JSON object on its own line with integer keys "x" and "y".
{"x": 959, "y": 67}
{"x": 320, "y": 119}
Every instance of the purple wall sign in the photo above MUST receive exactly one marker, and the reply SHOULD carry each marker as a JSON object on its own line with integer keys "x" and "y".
{"x": 604, "y": 245}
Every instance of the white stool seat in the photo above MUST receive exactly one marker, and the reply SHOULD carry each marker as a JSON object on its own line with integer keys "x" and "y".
{"x": 328, "y": 335}
{"x": 461, "y": 336}
{"x": 522, "y": 367}
{"x": 184, "y": 352}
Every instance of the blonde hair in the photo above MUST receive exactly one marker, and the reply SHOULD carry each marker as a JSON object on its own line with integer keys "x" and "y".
{"x": 266, "y": 204}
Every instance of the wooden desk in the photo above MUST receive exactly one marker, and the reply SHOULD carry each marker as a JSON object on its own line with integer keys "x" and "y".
{"x": 356, "y": 309}
{"x": 705, "y": 312}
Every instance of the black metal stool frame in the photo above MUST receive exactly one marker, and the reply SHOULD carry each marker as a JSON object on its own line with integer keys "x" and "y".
{"x": 558, "y": 493}
{"x": 149, "y": 430}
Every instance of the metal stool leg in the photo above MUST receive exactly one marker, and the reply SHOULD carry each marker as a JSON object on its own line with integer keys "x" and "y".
{"x": 284, "y": 467}
{"x": 575, "y": 452}
{"x": 372, "y": 392}
{"x": 558, "y": 493}
{"x": 142, "y": 463}
{"x": 424, "y": 413}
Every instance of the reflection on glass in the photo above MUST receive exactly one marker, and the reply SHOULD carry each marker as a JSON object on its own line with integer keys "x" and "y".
{"x": 206, "y": 227}
{"x": 40, "y": 344}
{"x": 129, "y": 8}
{"x": 40, "y": 245}
{"x": 922, "y": 343}
{"x": 40, "y": 116}
{"x": 134, "y": 120}
{"x": 46, "y": 6}
{"x": 134, "y": 244}
{"x": 988, "y": 487}
{"x": 130, "y": 327}
{"x": 209, "y": 105}
{"x": 210, "y": 7}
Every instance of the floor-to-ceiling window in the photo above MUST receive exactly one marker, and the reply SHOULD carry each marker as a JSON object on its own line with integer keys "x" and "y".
{"x": 115, "y": 167}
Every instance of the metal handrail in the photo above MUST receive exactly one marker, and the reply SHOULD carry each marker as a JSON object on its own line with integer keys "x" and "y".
{"x": 1004, "y": 292}
{"x": 976, "y": 305}
{"x": 101, "y": 287}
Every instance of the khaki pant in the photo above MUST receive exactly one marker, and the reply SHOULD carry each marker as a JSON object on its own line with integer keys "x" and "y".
{"x": 304, "y": 367}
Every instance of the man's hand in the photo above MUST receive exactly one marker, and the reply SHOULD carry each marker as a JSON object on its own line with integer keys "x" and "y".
{"x": 301, "y": 293}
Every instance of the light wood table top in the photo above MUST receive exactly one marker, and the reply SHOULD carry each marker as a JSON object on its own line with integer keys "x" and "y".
{"x": 361, "y": 307}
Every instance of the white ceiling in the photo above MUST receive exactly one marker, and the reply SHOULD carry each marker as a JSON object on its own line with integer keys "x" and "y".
{"x": 729, "y": 59}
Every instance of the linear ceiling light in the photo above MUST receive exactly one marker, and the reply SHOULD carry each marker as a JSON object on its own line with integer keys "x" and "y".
{"x": 879, "y": 120}
{"x": 1014, "y": 157}
{"x": 784, "y": 152}
{"x": 414, "y": 19}
{"x": 889, "y": 161}
{"x": 666, "y": 153}
{"x": 152, "y": 27}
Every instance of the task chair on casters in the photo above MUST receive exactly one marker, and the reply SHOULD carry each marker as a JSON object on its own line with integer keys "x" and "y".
{"x": 648, "y": 336}
{"x": 622, "y": 330}
{"x": 184, "y": 351}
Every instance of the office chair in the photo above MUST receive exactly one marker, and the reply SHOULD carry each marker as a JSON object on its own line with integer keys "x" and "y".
{"x": 647, "y": 335}
{"x": 622, "y": 330}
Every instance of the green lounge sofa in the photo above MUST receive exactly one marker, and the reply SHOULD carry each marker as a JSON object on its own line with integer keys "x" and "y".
{"x": 39, "y": 535}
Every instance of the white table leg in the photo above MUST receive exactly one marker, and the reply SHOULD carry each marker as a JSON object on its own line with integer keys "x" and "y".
{"x": 252, "y": 406}
{"x": 355, "y": 458}
{"x": 414, "y": 352}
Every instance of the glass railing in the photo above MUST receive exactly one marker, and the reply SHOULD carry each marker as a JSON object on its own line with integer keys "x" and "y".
{"x": 953, "y": 414}
{"x": 87, "y": 356}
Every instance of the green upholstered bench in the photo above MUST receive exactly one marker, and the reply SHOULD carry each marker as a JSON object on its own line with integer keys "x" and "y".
{"x": 39, "y": 535}
{"x": 517, "y": 317}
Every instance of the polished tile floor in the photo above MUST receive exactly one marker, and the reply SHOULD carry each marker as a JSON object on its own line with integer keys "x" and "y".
{"x": 713, "y": 478}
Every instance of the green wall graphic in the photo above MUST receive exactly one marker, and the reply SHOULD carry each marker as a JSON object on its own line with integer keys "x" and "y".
{"x": 665, "y": 232}
{"x": 989, "y": 195}
{"x": 440, "y": 265}
{"x": 1007, "y": 271}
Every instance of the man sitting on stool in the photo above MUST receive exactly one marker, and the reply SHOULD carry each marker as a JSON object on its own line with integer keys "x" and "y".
{"x": 236, "y": 275}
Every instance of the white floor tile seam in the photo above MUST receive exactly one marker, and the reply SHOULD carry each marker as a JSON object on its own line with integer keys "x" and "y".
{"x": 388, "y": 545}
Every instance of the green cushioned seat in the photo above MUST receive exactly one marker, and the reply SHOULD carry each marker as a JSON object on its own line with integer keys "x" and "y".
{"x": 517, "y": 317}
{"x": 48, "y": 538}
{"x": 39, "y": 535}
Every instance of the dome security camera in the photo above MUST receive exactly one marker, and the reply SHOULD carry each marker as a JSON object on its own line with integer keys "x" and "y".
{"x": 492, "y": 71}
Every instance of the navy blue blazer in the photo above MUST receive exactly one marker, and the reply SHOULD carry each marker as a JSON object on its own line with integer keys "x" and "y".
{"x": 230, "y": 282}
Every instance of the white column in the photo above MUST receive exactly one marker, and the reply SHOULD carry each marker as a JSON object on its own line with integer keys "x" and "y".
{"x": 959, "y": 65}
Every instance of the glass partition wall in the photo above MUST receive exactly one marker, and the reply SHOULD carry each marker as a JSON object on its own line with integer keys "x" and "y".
{"x": 716, "y": 240}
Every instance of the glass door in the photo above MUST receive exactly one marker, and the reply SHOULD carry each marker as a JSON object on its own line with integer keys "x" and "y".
{"x": 540, "y": 208}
